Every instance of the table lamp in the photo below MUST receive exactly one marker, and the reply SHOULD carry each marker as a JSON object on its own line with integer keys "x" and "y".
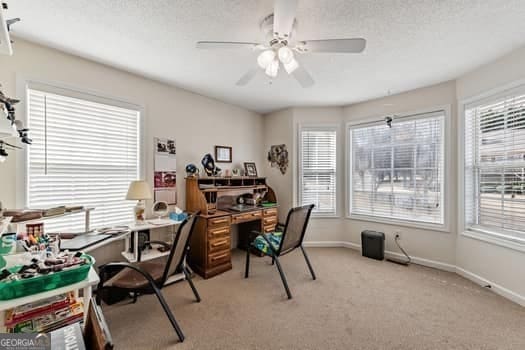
{"x": 139, "y": 191}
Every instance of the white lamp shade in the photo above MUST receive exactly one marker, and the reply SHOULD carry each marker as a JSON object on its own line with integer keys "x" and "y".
{"x": 265, "y": 58}
{"x": 285, "y": 55}
{"x": 272, "y": 69}
{"x": 138, "y": 190}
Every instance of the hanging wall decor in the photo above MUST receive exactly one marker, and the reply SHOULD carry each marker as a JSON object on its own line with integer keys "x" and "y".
{"x": 278, "y": 157}
{"x": 165, "y": 171}
{"x": 10, "y": 126}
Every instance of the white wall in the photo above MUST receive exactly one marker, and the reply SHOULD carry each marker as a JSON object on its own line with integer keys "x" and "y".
{"x": 196, "y": 122}
{"x": 483, "y": 262}
{"x": 496, "y": 264}
{"x": 277, "y": 131}
{"x": 321, "y": 229}
{"x": 428, "y": 244}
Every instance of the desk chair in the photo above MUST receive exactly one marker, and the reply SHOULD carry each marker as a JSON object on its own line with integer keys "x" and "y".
{"x": 279, "y": 243}
{"x": 148, "y": 277}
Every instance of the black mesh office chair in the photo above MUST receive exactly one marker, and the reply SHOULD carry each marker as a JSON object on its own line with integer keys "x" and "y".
{"x": 148, "y": 277}
{"x": 275, "y": 244}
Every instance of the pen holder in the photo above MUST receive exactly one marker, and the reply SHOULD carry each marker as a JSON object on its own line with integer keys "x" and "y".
{"x": 178, "y": 217}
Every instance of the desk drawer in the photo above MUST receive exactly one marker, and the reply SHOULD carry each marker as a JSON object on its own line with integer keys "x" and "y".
{"x": 251, "y": 216}
{"x": 219, "y": 244}
{"x": 270, "y": 212}
{"x": 219, "y": 221}
{"x": 269, "y": 228}
{"x": 219, "y": 257}
{"x": 218, "y": 232}
{"x": 270, "y": 220}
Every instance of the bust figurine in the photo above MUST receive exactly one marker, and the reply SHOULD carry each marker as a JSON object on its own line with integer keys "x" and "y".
{"x": 209, "y": 165}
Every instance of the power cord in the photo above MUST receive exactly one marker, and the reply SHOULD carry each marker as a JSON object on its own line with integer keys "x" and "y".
{"x": 400, "y": 262}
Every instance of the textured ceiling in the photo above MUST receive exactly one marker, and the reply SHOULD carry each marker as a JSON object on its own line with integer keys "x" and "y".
{"x": 411, "y": 43}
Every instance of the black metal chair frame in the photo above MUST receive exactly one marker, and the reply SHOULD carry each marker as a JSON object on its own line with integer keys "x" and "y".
{"x": 154, "y": 287}
{"x": 276, "y": 253}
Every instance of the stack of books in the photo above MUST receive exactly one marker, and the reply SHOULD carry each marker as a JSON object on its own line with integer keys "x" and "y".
{"x": 45, "y": 315}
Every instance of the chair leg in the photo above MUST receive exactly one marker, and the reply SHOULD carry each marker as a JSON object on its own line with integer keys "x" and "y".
{"x": 273, "y": 260}
{"x": 308, "y": 263}
{"x": 135, "y": 296}
{"x": 188, "y": 278}
{"x": 168, "y": 312}
{"x": 247, "y": 264}
{"x": 283, "y": 278}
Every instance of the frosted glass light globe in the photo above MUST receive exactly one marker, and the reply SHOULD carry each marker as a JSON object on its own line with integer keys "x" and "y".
{"x": 285, "y": 55}
{"x": 272, "y": 69}
{"x": 291, "y": 66}
{"x": 265, "y": 58}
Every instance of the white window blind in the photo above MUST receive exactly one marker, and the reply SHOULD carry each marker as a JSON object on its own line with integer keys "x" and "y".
{"x": 397, "y": 172}
{"x": 495, "y": 165}
{"x": 318, "y": 170}
{"x": 83, "y": 153}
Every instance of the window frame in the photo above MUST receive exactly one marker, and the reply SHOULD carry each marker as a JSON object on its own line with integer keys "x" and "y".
{"x": 321, "y": 127}
{"x": 22, "y": 88}
{"x": 492, "y": 236}
{"x": 446, "y": 154}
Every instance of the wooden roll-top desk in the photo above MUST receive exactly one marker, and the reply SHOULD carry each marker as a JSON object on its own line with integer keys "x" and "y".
{"x": 210, "y": 245}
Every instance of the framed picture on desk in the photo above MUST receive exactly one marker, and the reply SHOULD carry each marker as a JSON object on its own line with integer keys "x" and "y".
{"x": 250, "y": 169}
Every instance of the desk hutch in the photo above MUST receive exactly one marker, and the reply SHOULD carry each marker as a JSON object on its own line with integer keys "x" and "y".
{"x": 210, "y": 252}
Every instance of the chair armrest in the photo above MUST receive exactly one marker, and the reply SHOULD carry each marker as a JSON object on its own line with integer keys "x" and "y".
{"x": 124, "y": 265}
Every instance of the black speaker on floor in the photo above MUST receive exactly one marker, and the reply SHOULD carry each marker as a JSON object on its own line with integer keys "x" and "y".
{"x": 373, "y": 244}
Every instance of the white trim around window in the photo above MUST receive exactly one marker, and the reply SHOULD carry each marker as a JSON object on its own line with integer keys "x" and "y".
{"x": 446, "y": 155}
{"x": 487, "y": 235}
{"x": 24, "y": 82}
{"x": 330, "y": 127}
{"x": 61, "y": 97}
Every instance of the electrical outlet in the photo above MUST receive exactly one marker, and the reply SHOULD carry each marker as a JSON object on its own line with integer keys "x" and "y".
{"x": 397, "y": 234}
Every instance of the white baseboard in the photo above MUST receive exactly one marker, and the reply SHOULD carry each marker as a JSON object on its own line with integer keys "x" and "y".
{"x": 500, "y": 290}
{"x": 496, "y": 288}
{"x": 356, "y": 246}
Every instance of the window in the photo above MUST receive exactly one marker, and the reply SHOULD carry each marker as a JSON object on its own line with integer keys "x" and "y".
{"x": 84, "y": 152}
{"x": 494, "y": 165}
{"x": 397, "y": 173}
{"x": 317, "y": 169}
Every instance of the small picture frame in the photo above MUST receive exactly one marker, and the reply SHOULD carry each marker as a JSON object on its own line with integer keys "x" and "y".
{"x": 250, "y": 169}
{"x": 223, "y": 154}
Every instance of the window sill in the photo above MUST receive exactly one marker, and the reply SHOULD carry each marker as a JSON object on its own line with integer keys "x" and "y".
{"x": 404, "y": 223}
{"x": 495, "y": 239}
{"x": 313, "y": 216}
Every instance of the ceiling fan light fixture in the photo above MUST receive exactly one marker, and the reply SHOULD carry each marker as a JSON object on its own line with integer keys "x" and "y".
{"x": 285, "y": 55}
{"x": 265, "y": 58}
{"x": 291, "y": 66}
{"x": 272, "y": 69}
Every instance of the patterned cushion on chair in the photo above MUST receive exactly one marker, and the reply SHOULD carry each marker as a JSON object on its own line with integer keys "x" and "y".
{"x": 261, "y": 244}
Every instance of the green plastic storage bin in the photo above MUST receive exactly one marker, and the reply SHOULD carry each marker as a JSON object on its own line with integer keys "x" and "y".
{"x": 23, "y": 287}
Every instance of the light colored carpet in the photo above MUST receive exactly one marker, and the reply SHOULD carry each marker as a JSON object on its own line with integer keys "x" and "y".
{"x": 356, "y": 303}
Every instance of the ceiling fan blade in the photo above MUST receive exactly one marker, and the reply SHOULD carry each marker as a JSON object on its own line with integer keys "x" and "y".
{"x": 210, "y": 45}
{"x": 303, "y": 77}
{"x": 355, "y": 45}
{"x": 247, "y": 77}
{"x": 283, "y": 17}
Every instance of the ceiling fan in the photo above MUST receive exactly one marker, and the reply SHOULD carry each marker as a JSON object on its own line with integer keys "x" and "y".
{"x": 280, "y": 47}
